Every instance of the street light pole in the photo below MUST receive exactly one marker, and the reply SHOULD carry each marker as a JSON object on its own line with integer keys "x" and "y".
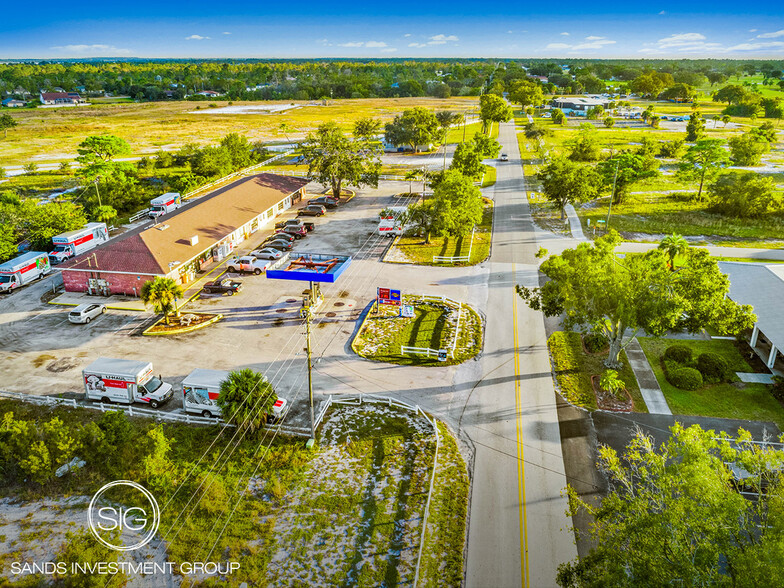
{"x": 310, "y": 367}
{"x": 612, "y": 195}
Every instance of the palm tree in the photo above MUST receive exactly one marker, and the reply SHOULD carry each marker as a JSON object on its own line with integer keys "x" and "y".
{"x": 726, "y": 119}
{"x": 611, "y": 382}
{"x": 674, "y": 245}
{"x": 104, "y": 213}
{"x": 246, "y": 398}
{"x": 411, "y": 176}
{"x": 162, "y": 294}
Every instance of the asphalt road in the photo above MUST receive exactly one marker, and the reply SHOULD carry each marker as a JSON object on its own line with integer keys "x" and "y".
{"x": 518, "y": 531}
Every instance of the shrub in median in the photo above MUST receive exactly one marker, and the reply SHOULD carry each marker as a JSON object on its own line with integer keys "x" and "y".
{"x": 685, "y": 378}
{"x": 678, "y": 353}
{"x": 595, "y": 342}
{"x": 713, "y": 367}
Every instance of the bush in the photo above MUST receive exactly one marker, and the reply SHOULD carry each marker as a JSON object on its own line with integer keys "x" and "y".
{"x": 595, "y": 342}
{"x": 678, "y": 353}
{"x": 713, "y": 367}
{"x": 685, "y": 378}
{"x": 778, "y": 388}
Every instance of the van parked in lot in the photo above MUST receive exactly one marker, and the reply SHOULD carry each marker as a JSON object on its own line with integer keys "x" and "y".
{"x": 200, "y": 391}
{"x": 124, "y": 381}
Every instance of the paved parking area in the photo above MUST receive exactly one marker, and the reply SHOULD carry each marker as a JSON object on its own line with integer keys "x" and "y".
{"x": 43, "y": 353}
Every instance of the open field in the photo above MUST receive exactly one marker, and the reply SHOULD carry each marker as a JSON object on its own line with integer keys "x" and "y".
{"x": 734, "y": 400}
{"x": 51, "y": 135}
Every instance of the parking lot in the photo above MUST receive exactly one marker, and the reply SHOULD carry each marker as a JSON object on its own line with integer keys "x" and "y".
{"x": 44, "y": 354}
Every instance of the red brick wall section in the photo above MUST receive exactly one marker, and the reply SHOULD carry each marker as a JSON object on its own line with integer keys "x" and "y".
{"x": 119, "y": 283}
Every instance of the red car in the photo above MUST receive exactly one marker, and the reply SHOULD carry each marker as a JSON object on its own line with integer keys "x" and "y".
{"x": 294, "y": 231}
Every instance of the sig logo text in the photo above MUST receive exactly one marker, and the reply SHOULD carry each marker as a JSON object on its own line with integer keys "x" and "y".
{"x": 123, "y": 515}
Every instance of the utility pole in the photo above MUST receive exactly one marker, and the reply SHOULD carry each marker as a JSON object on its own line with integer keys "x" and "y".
{"x": 612, "y": 196}
{"x": 312, "y": 439}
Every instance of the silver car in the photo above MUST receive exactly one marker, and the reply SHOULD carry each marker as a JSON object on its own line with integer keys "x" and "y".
{"x": 84, "y": 313}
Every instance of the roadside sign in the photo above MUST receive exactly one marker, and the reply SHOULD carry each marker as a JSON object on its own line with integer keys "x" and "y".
{"x": 388, "y": 296}
{"x": 407, "y": 311}
{"x": 442, "y": 354}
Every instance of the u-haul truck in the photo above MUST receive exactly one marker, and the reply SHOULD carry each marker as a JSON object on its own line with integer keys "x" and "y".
{"x": 391, "y": 223}
{"x": 124, "y": 381}
{"x": 23, "y": 270}
{"x": 164, "y": 203}
{"x": 74, "y": 243}
{"x": 200, "y": 391}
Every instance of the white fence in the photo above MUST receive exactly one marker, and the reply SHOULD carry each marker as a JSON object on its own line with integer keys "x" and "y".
{"x": 406, "y": 350}
{"x": 138, "y": 215}
{"x": 457, "y": 258}
{"x": 388, "y": 401}
{"x": 130, "y": 410}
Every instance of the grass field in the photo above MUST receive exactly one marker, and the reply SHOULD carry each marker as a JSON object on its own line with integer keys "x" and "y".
{"x": 417, "y": 251}
{"x": 51, "y": 135}
{"x": 432, "y": 326}
{"x": 734, "y": 400}
{"x": 573, "y": 368}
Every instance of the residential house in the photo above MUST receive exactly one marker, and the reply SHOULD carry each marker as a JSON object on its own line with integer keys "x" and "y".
{"x": 13, "y": 103}
{"x": 51, "y": 98}
{"x": 578, "y": 106}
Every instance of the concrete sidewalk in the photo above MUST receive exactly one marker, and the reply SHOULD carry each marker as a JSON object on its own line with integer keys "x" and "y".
{"x": 649, "y": 387}
{"x": 112, "y": 302}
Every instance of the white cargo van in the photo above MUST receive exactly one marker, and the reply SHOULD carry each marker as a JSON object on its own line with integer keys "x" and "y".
{"x": 200, "y": 391}
{"x": 164, "y": 203}
{"x": 23, "y": 270}
{"x": 125, "y": 381}
{"x": 74, "y": 243}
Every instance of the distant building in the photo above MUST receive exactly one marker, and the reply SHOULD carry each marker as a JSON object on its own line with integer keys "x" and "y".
{"x": 543, "y": 79}
{"x": 578, "y": 106}
{"x": 208, "y": 93}
{"x": 13, "y": 103}
{"x": 61, "y": 98}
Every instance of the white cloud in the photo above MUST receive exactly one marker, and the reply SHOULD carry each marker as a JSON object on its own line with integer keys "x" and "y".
{"x": 96, "y": 49}
{"x": 442, "y": 39}
{"x": 375, "y": 44}
{"x": 756, "y": 46}
{"x": 591, "y": 42}
{"x": 369, "y": 44}
{"x": 558, "y": 46}
{"x": 772, "y": 35}
{"x": 509, "y": 32}
{"x": 407, "y": 35}
{"x": 662, "y": 12}
{"x": 351, "y": 44}
{"x": 594, "y": 38}
{"x": 196, "y": 38}
{"x": 565, "y": 34}
{"x": 417, "y": 44}
{"x": 680, "y": 39}
{"x": 753, "y": 30}
{"x": 225, "y": 33}
{"x": 389, "y": 50}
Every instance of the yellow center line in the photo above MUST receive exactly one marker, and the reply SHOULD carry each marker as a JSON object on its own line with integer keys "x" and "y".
{"x": 523, "y": 514}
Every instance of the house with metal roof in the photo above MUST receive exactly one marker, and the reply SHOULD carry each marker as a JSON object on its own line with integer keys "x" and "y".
{"x": 761, "y": 286}
{"x": 183, "y": 242}
{"x": 579, "y": 105}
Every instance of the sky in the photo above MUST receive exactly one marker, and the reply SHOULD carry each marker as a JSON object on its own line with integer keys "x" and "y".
{"x": 406, "y": 28}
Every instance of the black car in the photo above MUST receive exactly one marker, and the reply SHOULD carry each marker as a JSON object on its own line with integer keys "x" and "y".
{"x": 296, "y": 222}
{"x": 323, "y": 201}
{"x": 312, "y": 210}
{"x": 280, "y": 236}
{"x": 223, "y": 286}
{"x": 279, "y": 244}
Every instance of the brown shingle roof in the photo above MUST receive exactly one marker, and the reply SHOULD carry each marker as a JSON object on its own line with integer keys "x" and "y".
{"x": 150, "y": 250}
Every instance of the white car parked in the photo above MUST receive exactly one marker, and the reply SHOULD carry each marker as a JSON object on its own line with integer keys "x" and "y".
{"x": 84, "y": 313}
{"x": 247, "y": 264}
{"x": 267, "y": 253}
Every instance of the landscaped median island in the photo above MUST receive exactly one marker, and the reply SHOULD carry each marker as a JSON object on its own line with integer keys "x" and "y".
{"x": 438, "y": 324}
{"x": 714, "y": 390}
{"x": 414, "y": 249}
{"x": 577, "y": 360}
{"x": 184, "y": 323}
{"x": 348, "y": 512}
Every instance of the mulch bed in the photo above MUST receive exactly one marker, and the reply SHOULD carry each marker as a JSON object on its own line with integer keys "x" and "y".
{"x": 175, "y": 325}
{"x": 609, "y": 401}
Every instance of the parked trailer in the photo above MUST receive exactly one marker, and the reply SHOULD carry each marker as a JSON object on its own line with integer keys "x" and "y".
{"x": 124, "y": 381}
{"x": 74, "y": 243}
{"x": 23, "y": 270}
{"x": 200, "y": 391}
{"x": 164, "y": 203}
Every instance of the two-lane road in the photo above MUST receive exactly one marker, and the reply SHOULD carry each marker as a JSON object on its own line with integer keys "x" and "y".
{"x": 518, "y": 531}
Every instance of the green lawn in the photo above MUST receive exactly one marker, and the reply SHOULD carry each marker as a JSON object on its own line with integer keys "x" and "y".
{"x": 734, "y": 400}
{"x": 456, "y": 135}
{"x": 574, "y": 367}
{"x": 420, "y": 253}
{"x": 432, "y": 326}
{"x": 489, "y": 177}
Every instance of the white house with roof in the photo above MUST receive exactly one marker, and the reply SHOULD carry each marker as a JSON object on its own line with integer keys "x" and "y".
{"x": 761, "y": 286}
{"x": 579, "y": 105}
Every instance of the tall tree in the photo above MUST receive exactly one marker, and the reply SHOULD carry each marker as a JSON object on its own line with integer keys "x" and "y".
{"x": 366, "y": 128}
{"x": 7, "y": 122}
{"x": 97, "y": 152}
{"x": 486, "y": 146}
{"x": 748, "y": 148}
{"x": 161, "y": 293}
{"x": 566, "y": 182}
{"x": 673, "y": 516}
{"x": 246, "y": 399}
{"x": 333, "y": 159}
{"x": 416, "y": 126}
{"x": 492, "y": 109}
{"x": 593, "y": 288}
{"x": 703, "y": 160}
{"x": 744, "y": 194}
{"x": 467, "y": 161}
{"x": 695, "y": 128}
{"x": 674, "y": 245}
{"x": 623, "y": 170}
{"x": 525, "y": 93}
{"x": 585, "y": 146}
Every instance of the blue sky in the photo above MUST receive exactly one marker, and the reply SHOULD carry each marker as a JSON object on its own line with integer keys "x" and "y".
{"x": 393, "y": 29}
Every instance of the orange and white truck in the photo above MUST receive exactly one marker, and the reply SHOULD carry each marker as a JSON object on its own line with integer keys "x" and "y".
{"x": 23, "y": 269}
{"x": 73, "y": 243}
{"x": 164, "y": 203}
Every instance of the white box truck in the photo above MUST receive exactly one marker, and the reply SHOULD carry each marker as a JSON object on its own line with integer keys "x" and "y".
{"x": 124, "y": 381}
{"x": 74, "y": 243}
{"x": 391, "y": 223}
{"x": 164, "y": 203}
{"x": 23, "y": 270}
{"x": 200, "y": 391}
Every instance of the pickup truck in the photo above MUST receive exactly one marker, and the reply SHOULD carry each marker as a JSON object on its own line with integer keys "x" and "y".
{"x": 296, "y": 222}
{"x": 248, "y": 264}
{"x": 223, "y": 286}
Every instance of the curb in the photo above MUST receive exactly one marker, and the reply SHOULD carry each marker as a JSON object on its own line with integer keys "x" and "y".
{"x": 109, "y": 306}
{"x": 368, "y": 310}
{"x": 147, "y": 333}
